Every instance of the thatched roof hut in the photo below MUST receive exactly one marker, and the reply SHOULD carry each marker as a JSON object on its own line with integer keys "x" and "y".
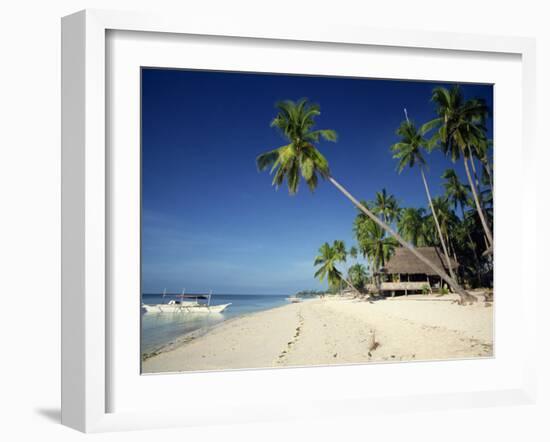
{"x": 403, "y": 262}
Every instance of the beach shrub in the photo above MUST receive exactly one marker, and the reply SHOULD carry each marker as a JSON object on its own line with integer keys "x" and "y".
{"x": 425, "y": 289}
{"x": 443, "y": 291}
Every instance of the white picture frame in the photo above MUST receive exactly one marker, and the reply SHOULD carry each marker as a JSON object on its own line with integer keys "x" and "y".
{"x": 86, "y": 205}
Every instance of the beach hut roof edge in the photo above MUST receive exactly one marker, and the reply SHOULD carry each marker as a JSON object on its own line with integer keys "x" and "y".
{"x": 404, "y": 262}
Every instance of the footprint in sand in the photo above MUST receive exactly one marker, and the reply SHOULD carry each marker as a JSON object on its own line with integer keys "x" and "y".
{"x": 291, "y": 343}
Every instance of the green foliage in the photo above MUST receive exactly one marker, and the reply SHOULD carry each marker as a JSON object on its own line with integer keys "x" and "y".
{"x": 459, "y": 131}
{"x": 412, "y": 227}
{"x": 425, "y": 289}
{"x": 386, "y": 207}
{"x": 460, "y": 123}
{"x": 358, "y": 276}
{"x": 299, "y": 158}
{"x": 340, "y": 248}
{"x": 327, "y": 259}
{"x": 456, "y": 193}
{"x": 373, "y": 242}
{"x": 445, "y": 215}
{"x": 409, "y": 149}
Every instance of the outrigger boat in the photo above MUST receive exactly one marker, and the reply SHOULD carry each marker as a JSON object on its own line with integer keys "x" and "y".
{"x": 294, "y": 299}
{"x": 181, "y": 306}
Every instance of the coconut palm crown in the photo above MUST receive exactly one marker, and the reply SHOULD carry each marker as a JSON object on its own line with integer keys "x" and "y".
{"x": 460, "y": 122}
{"x": 409, "y": 150}
{"x": 300, "y": 157}
{"x": 327, "y": 259}
{"x": 456, "y": 193}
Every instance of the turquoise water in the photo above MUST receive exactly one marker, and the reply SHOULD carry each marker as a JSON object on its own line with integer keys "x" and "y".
{"x": 160, "y": 329}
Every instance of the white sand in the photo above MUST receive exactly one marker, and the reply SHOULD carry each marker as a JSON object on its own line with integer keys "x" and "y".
{"x": 324, "y": 332}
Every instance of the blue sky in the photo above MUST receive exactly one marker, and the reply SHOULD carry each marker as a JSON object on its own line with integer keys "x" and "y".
{"x": 210, "y": 220}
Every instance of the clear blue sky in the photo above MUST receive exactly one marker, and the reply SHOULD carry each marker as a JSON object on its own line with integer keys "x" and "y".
{"x": 210, "y": 220}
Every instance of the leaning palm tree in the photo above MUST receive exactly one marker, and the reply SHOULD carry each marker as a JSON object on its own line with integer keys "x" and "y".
{"x": 409, "y": 153}
{"x": 328, "y": 258}
{"x": 353, "y": 253}
{"x": 339, "y": 248}
{"x": 300, "y": 158}
{"x": 461, "y": 128}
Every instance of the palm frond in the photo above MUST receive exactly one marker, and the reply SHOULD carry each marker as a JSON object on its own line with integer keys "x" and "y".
{"x": 430, "y": 125}
{"x": 266, "y": 159}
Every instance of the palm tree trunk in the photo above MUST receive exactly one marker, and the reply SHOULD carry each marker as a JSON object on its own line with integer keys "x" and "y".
{"x": 486, "y": 242}
{"x": 376, "y": 268}
{"x": 351, "y": 285}
{"x": 476, "y": 179}
{"x": 490, "y": 175}
{"x": 474, "y": 170}
{"x": 478, "y": 206}
{"x": 441, "y": 240}
{"x": 464, "y": 296}
{"x": 476, "y": 258}
{"x": 451, "y": 247}
{"x": 453, "y": 251}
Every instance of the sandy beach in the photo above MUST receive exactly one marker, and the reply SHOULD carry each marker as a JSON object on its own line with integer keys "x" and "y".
{"x": 336, "y": 331}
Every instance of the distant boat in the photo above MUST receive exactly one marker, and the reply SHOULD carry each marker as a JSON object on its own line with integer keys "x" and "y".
{"x": 294, "y": 299}
{"x": 181, "y": 306}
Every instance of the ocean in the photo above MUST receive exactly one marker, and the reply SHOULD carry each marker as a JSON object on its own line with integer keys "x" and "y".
{"x": 159, "y": 329}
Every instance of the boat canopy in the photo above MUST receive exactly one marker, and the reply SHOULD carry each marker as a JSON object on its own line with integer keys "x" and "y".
{"x": 189, "y": 296}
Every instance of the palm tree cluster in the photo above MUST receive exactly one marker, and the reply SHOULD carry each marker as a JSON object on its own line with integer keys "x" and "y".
{"x": 462, "y": 234}
{"x": 459, "y": 132}
{"x": 381, "y": 225}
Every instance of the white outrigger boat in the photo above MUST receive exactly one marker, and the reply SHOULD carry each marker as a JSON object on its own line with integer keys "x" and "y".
{"x": 181, "y": 306}
{"x": 294, "y": 299}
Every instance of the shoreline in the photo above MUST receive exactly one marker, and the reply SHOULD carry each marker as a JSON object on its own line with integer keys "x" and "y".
{"x": 202, "y": 331}
{"x": 333, "y": 331}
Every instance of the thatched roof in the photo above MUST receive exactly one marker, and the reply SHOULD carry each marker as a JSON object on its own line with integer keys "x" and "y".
{"x": 404, "y": 262}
